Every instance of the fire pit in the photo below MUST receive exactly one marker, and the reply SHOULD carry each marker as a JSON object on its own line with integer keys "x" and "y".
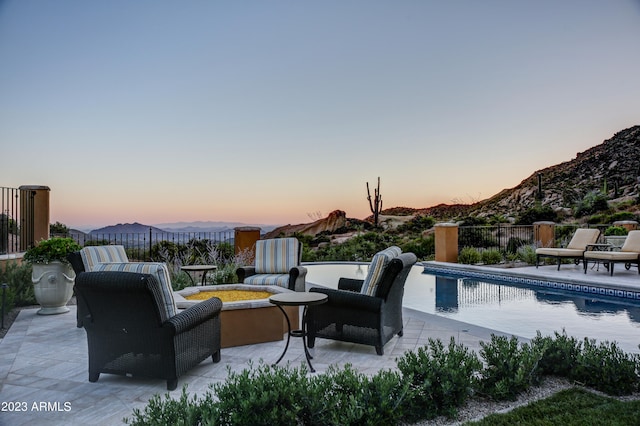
{"x": 247, "y": 321}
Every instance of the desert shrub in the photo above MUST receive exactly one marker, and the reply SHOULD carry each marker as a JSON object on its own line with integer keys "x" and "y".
{"x": 469, "y": 256}
{"x": 347, "y": 397}
{"x": 440, "y": 379}
{"x": 168, "y": 411}
{"x": 514, "y": 243}
{"x": 510, "y": 368}
{"x": 259, "y": 396}
{"x": 359, "y": 248}
{"x": 537, "y": 213}
{"x": 616, "y": 230}
{"x": 607, "y": 368}
{"x": 593, "y": 202}
{"x": 19, "y": 291}
{"x": 527, "y": 254}
{"x": 623, "y": 216}
{"x": 599, "y": 219}
{"x": 421, "y": 247}
{"x": 491, "y": 257}
{"x": 559, "y": 354}
{"x": 418, "y": 224}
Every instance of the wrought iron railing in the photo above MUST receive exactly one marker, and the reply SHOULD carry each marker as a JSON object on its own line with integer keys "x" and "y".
{"x": 9, "y": 217}
{"x": 505, "y": 238}
{"x": 139, "y": 245}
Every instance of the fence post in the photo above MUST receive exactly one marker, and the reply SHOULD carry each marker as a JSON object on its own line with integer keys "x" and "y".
{"x": 446, "y": 242}
{"x": 544, "y": 234}
{"x": 34, "y": 215}
{"x": 244, "y": 239}
{"x": 629, "y": 225}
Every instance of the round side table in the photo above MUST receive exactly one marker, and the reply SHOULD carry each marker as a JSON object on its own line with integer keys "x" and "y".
{"x": 297, "y": 299}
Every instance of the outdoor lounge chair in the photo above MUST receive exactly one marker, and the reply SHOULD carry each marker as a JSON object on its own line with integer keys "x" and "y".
{"x": 132, "y": 329}
{"x": 88, "y": 258}
{"x": 365, "y": 311}
{"x": 277, "y": 262}
{"x": 574, "y": 250}
{"x": 628, "y": 254}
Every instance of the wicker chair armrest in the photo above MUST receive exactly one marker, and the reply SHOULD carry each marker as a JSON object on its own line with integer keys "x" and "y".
{"x": 244, "y": 272}
{"x": 350, "y": 284}
{"x": 349, "y": 299}
{"x": 194, "y": 315}
{"x": 298, "y": 271}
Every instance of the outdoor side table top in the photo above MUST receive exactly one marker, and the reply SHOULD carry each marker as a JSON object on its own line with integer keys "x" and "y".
{"x": 199, "y": 268}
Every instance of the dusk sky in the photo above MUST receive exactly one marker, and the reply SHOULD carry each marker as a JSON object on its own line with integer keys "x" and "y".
{"x": 274, "y": 111}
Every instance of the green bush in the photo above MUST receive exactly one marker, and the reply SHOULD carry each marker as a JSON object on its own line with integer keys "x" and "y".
{"x": 469, "y": 256}
{"x": 607, "y": 368}
{"x": 20, "y": 288}
{"x": 593, "y": 202}
{"x": 421, "y": 247}
{"x": 527, "y": 254}
{"x": 616, "y": 230}
{"x": 623, "y": 216}
{"x": 491, "y": 257}
{"x": 510, "y": 368}
{"x": 514, "y": 244}
{"x": 417, "y": 224}
{"x": 537, "y": 214}
{"x": 440, "y": 380}
{"x": 559, "y": 355}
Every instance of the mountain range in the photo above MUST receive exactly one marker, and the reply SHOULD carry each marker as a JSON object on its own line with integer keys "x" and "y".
{"x": 613, "y": 168}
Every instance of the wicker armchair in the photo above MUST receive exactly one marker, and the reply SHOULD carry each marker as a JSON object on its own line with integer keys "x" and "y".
{"x": 129, "y": 331}
{"x": 277, "y": 262}
{"x": 351, "y": 316}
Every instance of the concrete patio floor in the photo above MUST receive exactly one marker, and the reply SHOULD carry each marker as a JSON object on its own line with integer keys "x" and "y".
{"x": 43, "y": 361}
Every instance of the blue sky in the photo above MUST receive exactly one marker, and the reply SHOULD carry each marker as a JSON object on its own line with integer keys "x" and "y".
{"x": 273, "y": 111}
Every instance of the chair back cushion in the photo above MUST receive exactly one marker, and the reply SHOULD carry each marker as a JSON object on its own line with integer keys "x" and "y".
{"x": 632, "y": 243}
{"x": 159, "y": 271}
{"x": 582, "y": 237}
{"x": 378, "y": 263}
{"x": 93, "y": 255}
{"x": 277, "y": 256}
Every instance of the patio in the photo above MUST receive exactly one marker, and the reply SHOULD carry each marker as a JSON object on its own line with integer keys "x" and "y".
{"x": 43, "y": 360}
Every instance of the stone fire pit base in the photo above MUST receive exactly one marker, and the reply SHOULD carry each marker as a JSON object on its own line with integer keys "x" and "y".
{"x": 246, "y": 322}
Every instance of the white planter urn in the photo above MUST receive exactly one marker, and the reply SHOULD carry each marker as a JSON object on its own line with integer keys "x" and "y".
{"x": 53, "y": 286}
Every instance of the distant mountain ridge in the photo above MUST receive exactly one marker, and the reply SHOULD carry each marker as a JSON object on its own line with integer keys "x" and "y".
{"x": 612, "y": 167}
{"x": 199, "y": 226}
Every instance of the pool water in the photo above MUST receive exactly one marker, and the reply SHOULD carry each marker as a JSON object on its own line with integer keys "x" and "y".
{"x": 507, "y": 307}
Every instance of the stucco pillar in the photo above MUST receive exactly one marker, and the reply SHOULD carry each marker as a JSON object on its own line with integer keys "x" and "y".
{"x": 245, "y": 238}
{"x": 34, "y": 215}
{"x": 544, "y": 234}
{"x": 629, "y": 225}
{"x": 446, "y": 242}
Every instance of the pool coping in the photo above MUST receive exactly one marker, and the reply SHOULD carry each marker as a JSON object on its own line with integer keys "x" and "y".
{"x": 523, "y": 276}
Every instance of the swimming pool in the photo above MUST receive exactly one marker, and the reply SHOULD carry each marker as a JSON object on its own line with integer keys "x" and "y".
{"x": 512, "y": 308}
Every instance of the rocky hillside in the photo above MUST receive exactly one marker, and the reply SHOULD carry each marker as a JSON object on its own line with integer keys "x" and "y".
{"x": 613, "y": 166}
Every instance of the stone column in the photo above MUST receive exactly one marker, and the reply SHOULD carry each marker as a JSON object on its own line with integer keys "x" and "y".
{"x": 629, "y": 225}
{"x": 544, "y": 234}
{"x": 245, "y": 238}
{"x": 34, "y": 215}
{"x": 446, "y": 242}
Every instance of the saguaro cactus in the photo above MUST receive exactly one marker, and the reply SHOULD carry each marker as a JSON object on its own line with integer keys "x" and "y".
{"x": 375, "y": 204}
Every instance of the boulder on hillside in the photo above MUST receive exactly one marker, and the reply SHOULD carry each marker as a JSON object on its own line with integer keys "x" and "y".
{"x": 335, "y": 220}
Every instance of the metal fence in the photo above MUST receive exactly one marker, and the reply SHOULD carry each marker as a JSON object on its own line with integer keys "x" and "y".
{"x": 139, "y": 245}
{"x": 505, "y": 238}
{"x": 9, "y": 220}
